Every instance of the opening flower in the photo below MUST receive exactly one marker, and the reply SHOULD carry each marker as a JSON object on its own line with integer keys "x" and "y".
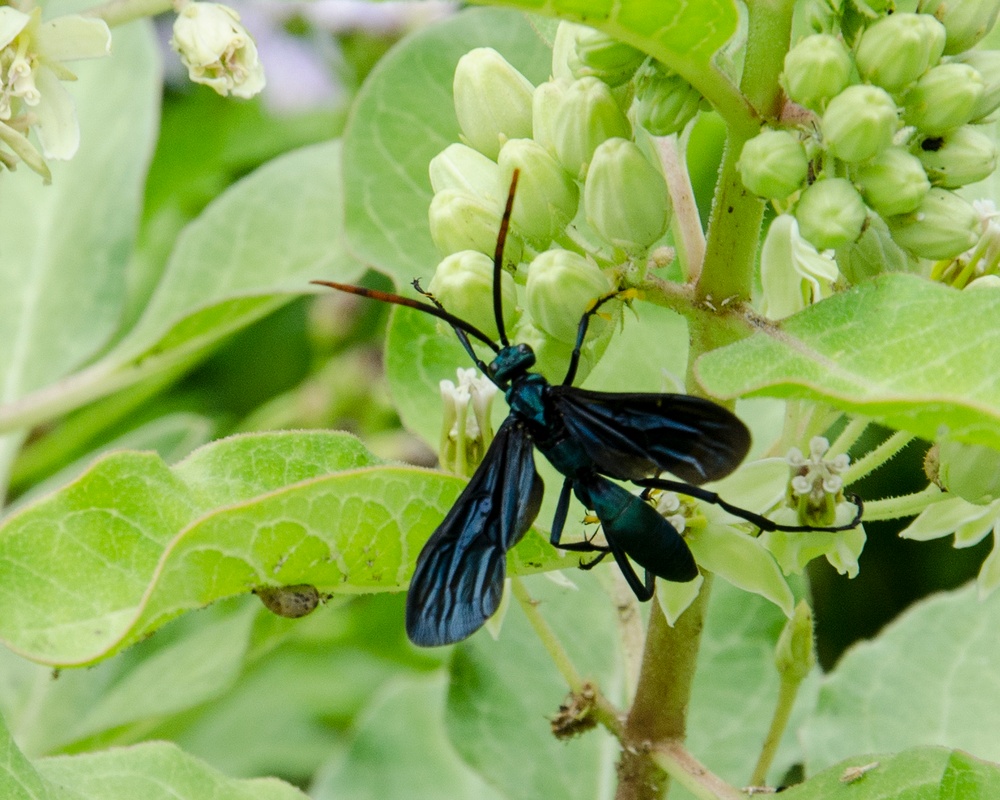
{"x": 217, "y": 50}
{"x": 32, "y": 53}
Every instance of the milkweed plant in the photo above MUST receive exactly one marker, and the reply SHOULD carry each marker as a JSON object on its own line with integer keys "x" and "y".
{"x": 794, "y": 204}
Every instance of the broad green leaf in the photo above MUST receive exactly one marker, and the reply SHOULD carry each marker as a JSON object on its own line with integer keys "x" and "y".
{"x": 400, "y": 750}
{"x": 404, "y": 116}
{"x": 928, "y": 678}
{"x": 62, "y": 274}
{"x": 252, "y": 250}
{"x": 18, "y": 778}
{"x": 133, "y": 543}
{"x": 155, "y": 771}
{"x": 906, "y": 352}
{"x": 923, "y": 773}
{"x": 504, "y": 692}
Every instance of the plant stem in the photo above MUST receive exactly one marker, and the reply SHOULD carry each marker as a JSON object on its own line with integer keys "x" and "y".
{"x": 907, "y": 505}
{"x": 847, "y": 438}
{"x": 877, "y": 457}
{"x": 118, "y": 12}
{"x": 676, "y": 761}
{"x": 548, "y": 636}
{"x": 787, "y": 692}
{"x": 659, "y": 712}
{"x": 690, "y": 238}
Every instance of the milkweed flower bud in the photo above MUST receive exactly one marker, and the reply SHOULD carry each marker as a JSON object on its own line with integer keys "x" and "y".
{"x": 547, "y": 198}
{"x": 792, "y": 273}
{"x": 816, "y": 69}
{"x": 964, "y": 155}
{"x": 831, "y": 213}
{"x": 874, "y": 253}
{"x": 587, "y": 116}
{"x": 545, "y": 103}
{"x": 459, "y": 166}
{"x": 896, "y": 50}
{"x": 859, "y": 123}
{"x": 972, "y": 471}
{"x": 894, "y": 182}
{"x": 665, "y": 102}
{"x": 773, "y": 164}
{"x": 625, "y": 197}
{"x": 463, "y": 283}
{"x": 942, "y": 226}
{"x": 460, "y": 220}
{"x": 492, "y": 101}
{"x": 217, "y": 50}
{"x": 987, "y": 64}
{"x": 596, "y": 54}
{"x": 966, "y": 21}
{"x": 944, "y": 98}
{"x": 562, "y": 285}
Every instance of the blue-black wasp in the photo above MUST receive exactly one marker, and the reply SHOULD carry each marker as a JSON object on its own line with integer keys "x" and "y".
{"x": 589, "y": 437}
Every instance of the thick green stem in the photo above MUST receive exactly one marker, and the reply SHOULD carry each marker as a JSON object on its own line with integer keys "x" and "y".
{"x": 659, "y": 712}
{"x": 118, "y": 12}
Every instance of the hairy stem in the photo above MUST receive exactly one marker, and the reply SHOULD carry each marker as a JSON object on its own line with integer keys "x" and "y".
{"x": 659, "y": 711}
{"x": 877, "y": 457}
{"x": 907, "y": 505}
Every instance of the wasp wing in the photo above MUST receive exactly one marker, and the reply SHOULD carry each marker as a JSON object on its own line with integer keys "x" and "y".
{"x": 633, "y": 436}
{"x": 459, "y": 577}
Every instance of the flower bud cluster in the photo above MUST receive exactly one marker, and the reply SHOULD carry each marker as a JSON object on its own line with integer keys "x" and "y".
{"x": 592, "y": 202}
{"x": 892, "y": 125}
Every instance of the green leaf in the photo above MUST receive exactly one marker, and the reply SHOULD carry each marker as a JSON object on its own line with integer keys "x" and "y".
{"x": 399, "y": 750}
{"x": 253, "y": 249}
{"x": 927, "y": 678}
{"x": 404, "y": 116}
{"x": 133, "y": 543}
{"x": 62, "y": 279}
{"x": 18, "y": 778}
{"x": 923, "y": 773}
{"x": 155, "y": 771}
{"x": 502, "y": 691}
{"x": 912, "y": 354}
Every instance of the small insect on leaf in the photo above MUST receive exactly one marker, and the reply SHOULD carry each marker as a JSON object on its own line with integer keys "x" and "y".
{"x": 289, "y": 601}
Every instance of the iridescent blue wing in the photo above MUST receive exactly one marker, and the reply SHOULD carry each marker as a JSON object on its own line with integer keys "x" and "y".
{"x": 459, "y": 577}
{"x": 632, "y": 436}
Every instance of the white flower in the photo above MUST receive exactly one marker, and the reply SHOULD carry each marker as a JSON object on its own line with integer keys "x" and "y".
{"x": 465, "y": 436}
{"x": 793, "y": 274}
{"x": 32, "y": 53}
{"x": 217, "y": 50}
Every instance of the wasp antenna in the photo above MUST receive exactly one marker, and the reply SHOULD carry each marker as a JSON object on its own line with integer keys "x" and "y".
{"x": 396, "y": 299}
{"x": 498, "y": 258}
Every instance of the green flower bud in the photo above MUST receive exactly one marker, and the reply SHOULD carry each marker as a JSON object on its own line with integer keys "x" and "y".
{"x": 562, "y": 285}
{"x": 625, "y": 197}
{"x": 944, "y": 98}
{"x": 898, "y": 49}
{"x": 942, "y": 226}
{"x": 965, "y": 155}
{"x": 463, "y": 221}
{"x": 874, "y": 253}
{"x": 859, "y": 123}
{"x": 816, "y": 69}
{"x": 547, "y": 198}
{"x": 831, "y": 213}
{"x": 492, "y": 101}
{"x": 972, "y": 471}
{"x": 545, "y": 104}
{"x": 458, "y": 166}
{"x": 893, "y": 182}
{"x": 595, "y": 54}
{"x": 966, "y": 21}
{"x": 587, "y": 116}
{"x": 794, "y": 656}
{"x": 792, "y": 273}
{"x": 463, "y": 283}
{"x": 773, "y": 164}
{"x": 987, "y": 64}
{"x": 665, "y": 102}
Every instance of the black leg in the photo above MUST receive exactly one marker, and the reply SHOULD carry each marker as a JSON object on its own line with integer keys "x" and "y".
{"x": 581, "y": 333}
